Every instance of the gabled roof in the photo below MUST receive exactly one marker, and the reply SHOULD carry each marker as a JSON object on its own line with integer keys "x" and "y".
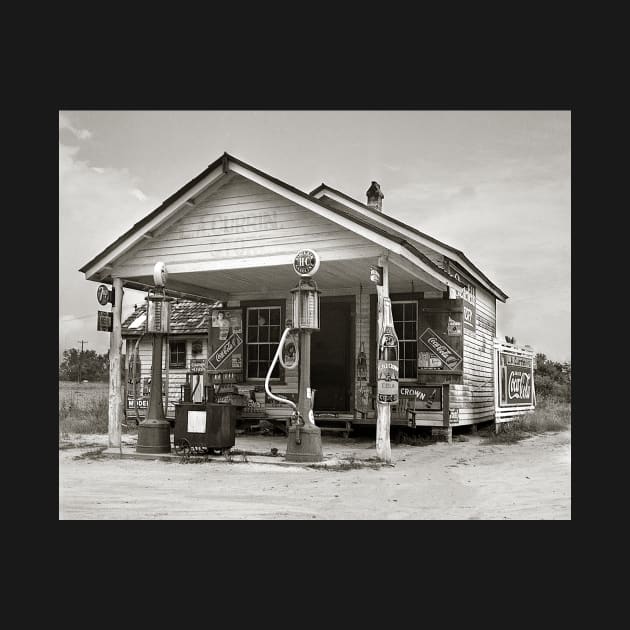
{"x": 456, "y": 252}
{"x": 365, "y": 219}
{"x": 187, "y": 317}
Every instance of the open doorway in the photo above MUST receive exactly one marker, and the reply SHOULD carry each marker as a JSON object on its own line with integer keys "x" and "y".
{"x": 332, "y": 355}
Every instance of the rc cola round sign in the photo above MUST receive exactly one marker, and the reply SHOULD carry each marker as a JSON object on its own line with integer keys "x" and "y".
{"x": 102, "y": 294}
{"x": 306, "y": 262}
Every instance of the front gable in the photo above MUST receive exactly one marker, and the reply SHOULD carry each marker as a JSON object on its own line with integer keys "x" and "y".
{"x": 242, "y": 219}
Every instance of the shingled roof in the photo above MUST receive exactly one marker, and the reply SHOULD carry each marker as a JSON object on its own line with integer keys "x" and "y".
{"x": 187, "y": 318}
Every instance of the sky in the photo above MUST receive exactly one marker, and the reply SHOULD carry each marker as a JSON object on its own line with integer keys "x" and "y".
{"x": 494, "y": 184}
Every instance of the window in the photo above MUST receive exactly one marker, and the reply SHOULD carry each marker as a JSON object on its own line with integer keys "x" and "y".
{"x": 177, "y": 357}
{"x": 405, "y": 316}
{"x": 263, "y": 337}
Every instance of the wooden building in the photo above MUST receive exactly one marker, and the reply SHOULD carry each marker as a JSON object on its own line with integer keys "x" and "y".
{"x": 230, "y": 235}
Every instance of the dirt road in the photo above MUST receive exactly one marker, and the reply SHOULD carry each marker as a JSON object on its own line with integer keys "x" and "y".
{"x": 464, "y": 480}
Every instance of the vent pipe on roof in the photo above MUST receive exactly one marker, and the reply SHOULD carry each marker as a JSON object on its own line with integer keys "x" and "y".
{"x": 375, "y": 197}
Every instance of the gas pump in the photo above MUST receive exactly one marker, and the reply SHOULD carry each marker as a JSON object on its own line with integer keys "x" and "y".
{"x": 154, "y": 432}
{"x": 304, "y": 441}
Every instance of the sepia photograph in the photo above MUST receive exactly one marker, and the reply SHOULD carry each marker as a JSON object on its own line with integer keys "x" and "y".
{"x": 315, "y": 314}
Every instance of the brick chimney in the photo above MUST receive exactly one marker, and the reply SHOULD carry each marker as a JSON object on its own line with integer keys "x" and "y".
{"x": 375, "y": 197}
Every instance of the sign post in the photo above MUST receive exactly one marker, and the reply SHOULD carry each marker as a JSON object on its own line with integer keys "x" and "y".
{"x": 383, "y": 408}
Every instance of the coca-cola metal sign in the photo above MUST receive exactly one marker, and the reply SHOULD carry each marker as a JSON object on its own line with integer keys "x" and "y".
{"x": 440, "y": 349}
{"x": 225, "y": 351}
{"x": 516, "y": 379}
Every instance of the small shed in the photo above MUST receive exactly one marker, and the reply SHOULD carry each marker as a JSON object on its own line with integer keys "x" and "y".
{"x": 229, "y": 237}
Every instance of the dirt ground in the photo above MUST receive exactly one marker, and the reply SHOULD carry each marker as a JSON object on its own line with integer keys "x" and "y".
{"x": 530, "y": 479}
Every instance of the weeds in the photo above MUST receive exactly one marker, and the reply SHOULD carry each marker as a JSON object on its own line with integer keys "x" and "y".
{"x": 549, "y": 416}
{"x": 86, "y": 416}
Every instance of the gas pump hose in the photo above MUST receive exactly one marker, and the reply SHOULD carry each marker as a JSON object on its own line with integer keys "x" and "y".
{"x": 286, "y": 401}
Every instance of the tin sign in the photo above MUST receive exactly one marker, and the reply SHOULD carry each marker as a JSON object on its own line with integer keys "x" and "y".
{"x": 516, "y": 379}
{"x": 224, "y": 352}
{"x": 430, "y": 396}
{"x": 306, "y": 262}
{"x": 104, "y": 321}
{"x": 469, "y": 316}
{"x": 198, "y": 366}
{"x": 387, "y": 382}
{"x": 440, "y": 349}
{"x": 102, "y": 295}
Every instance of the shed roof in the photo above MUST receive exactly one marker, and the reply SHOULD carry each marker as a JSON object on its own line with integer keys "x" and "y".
{"x": 187, "y": 318}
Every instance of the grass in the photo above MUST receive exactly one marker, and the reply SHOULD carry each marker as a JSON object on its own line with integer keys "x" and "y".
{"x": 549, "y": 416}
{"x": 83, "y": 408}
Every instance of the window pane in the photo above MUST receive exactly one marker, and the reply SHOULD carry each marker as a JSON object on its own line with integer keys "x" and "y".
{"x": 274, "y": 316}
{"x": 398, "y": 327}
{"x": 252, "y": 317}
{"x": 274, "y": 333}
{"x": 272, "y": 349}
{"x": 412, "y": 350}
{"x": 397, "y": 311}
{"x": 410, "y": 369}
{"x": 263, "y": 334}
{"x": 410, "y": 331}
{"x": 263, "y": 317}
{"x": 263, "y": 366}
{"x": 252, "y": 334}
{"x": 252, "y": 352}
{"x": 263, "y": 352}
{"x": 252, "y": 369}
{"x": 410, "y": 311}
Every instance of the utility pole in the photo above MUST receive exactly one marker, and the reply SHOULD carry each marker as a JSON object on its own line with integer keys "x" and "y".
{"x": 82, "y": 341}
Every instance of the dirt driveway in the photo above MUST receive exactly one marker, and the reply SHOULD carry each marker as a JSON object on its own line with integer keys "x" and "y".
{"x": 464, "y": 480}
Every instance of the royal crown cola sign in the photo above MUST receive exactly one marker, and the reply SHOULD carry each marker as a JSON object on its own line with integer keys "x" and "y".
{"x": 387, "y": 362}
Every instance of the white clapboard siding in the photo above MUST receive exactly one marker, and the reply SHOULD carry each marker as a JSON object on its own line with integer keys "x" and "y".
{"x": 475, "y": 396}
{"x": 176, "y": 376}
{"x": 241, "y": 220}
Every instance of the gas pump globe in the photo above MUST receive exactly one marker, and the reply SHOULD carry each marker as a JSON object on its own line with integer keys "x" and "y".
{"x": 306, "y": 304}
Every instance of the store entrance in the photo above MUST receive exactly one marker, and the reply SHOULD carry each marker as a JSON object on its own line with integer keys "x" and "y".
{"x": 331, "y": 355}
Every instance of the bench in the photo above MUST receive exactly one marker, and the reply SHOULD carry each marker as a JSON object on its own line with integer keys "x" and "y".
{"x": 346, "y": 429}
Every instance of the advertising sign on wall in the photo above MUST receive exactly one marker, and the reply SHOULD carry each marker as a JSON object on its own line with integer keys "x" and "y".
{"x": 440, "y": 349}
{"x": 516, "y": 375}
{"x": 221, "y": 357}
{"x": 431, "y": 396}
{"x": 470, "y": 315}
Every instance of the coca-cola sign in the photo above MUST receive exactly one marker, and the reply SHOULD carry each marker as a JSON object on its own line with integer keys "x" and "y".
{"x": 516, "y": 379}
{"x": 224, "y": 352}
{"x": 440, "y": 349}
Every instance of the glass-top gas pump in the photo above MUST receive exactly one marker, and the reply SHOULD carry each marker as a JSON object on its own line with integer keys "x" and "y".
{"x": 154, "y": 433}
{"x": 304, "y": 443}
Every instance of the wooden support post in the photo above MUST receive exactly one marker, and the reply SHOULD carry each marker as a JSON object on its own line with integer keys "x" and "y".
{"x": 383, "y": 411}
{"x": 116, "y": 404}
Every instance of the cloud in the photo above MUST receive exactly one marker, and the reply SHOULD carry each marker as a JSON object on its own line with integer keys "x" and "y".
{"x": 512, "y": 218}
{"x": 81, "y": 134}
{"x": 96, "y": 206}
